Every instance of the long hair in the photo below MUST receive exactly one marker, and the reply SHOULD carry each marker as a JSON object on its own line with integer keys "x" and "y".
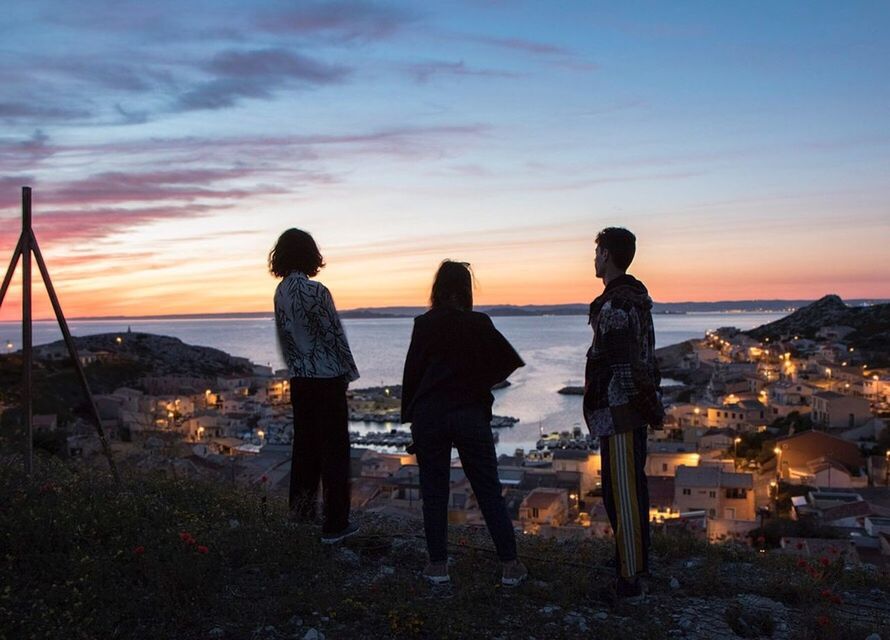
{"x": 453, "y": 286}
{"x": 295, "y": 251}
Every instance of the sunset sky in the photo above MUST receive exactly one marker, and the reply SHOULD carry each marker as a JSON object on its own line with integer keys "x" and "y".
{"x": 169, "y": 143}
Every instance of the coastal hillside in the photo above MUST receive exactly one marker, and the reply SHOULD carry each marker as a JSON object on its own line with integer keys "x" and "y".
{"x": 870, "y": 324}
{"x": 176, "y": 558}
{"x": 115, "y": 360}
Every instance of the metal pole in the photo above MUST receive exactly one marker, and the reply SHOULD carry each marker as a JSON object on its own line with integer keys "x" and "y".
{"x": 27, "y": 337}
{"x": 72, "y": 351}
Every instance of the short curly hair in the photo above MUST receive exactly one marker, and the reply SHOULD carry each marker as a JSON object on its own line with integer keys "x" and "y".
{"x": 295, "y": 251}
{"x": 620, "y": 243}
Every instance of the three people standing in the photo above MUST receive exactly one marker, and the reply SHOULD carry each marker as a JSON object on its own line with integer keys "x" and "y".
{"x": 455, "y": 357}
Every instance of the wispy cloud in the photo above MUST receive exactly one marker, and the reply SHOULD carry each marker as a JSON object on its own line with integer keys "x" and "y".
{"x": 121, "y": 187}
{"x": 39, "y": 112}
{"x": 423, "y": 71}
{"x": 339, "y": 21}
{"x": 256, "y": 74}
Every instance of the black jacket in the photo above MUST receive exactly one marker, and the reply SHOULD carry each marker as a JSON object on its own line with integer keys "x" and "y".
{"x": 454, "y": 359}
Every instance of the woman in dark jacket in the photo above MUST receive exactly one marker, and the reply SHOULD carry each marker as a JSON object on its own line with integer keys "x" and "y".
{"x": 456, "y": 356}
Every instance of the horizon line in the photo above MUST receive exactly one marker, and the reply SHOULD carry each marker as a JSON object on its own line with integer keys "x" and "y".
{"x": 269, "y": 313}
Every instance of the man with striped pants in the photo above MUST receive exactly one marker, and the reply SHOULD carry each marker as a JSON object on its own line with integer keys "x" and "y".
{"x": 621, "y": 399}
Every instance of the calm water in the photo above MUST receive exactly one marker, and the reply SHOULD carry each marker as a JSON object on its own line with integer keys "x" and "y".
{"x": 553, "y": 349}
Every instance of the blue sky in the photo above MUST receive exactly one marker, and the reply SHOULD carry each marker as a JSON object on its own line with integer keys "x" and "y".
{"x": 747, "y": 145}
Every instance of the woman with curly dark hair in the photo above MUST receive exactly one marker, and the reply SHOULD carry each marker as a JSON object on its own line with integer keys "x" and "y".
{"x": 455, "y": 358}
{"x": 321, "y": 366}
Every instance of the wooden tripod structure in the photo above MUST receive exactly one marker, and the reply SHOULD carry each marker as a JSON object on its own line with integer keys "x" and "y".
{"x": 26, "y": 247}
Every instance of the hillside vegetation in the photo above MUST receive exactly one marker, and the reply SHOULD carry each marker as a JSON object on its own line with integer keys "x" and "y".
{"x": 161, "y": 558}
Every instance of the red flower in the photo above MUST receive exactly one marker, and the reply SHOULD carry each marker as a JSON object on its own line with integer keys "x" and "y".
{"x": 826, "y": 593}
{"x": 185, "y": 536}
{"x": 802, "y": 564}
{"x": 202, "y": 549}
{"x": 823, "y": 621}
{"x": 139, "y": 550}
{"x": 832, "y": 550}
{"x": 824, "y": 561}
{"x": 264, "y": 479}
{"x": 799, "y": 546}
{"x": 837, "y": 600}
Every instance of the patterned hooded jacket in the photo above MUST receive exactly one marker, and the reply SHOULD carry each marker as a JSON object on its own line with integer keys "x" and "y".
{"x": 621, "y": 380}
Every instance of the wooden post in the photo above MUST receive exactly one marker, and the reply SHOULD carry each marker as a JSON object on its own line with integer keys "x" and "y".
{"x": 72, "y": 351}
{"x": 27, "y": 336}
{"x": 26, "y": 247}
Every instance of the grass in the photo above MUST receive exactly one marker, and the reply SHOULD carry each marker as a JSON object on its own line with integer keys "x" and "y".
{"x": 81, "y": 558}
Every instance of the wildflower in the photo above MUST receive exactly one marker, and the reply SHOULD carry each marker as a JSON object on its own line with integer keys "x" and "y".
{"x": 837, "y": 600}
{"x": 139, "y": 550}
{"x": 826, "y": 593}
{"x": 823, "y": 621}
{"x": 802, "y": 564}
{"x": 799, "y": 546}
{"x": 202, "y": 549}
{"x": 824, "y": 561}
{"x": 184, "y": 536}
{"x": 264, "y": 479}
{"x": 832, "y": 550}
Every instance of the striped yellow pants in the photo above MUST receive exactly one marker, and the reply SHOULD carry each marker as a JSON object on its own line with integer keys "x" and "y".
{"x": 626, "y": 499}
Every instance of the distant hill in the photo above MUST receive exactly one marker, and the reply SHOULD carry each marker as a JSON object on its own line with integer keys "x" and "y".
{"x": 570, "y": 309}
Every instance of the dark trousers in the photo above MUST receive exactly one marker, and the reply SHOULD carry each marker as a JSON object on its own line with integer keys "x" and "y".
{"x": 626, "y": 499}
{"x": 470, "y": 432}
{"x": 321, "y": 450}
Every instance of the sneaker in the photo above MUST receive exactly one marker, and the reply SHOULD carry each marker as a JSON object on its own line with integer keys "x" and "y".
{"x": 514, "y": 573}
{"x": 437, "y": 573}
{"x": 338, "y": 536}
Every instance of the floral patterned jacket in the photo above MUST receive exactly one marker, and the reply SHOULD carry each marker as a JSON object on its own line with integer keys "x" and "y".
{"x": 621, "y": 380}
{"x": 310, "y": 334}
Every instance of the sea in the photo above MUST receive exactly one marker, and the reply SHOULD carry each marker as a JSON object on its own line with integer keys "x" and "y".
{"x": 553, "y": 348}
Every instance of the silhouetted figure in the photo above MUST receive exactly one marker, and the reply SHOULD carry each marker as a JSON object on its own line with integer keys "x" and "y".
{"x": 456, "y": 356}
{"x": 621, "y": 399}
{"x": 321, "y": 366}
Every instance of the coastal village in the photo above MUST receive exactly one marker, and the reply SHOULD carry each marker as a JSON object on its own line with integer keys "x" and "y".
{"x": 775, "y": 438}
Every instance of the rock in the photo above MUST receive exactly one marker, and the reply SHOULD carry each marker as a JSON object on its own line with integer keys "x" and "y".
{"x": 548, "y": 610}
{"x": 349, "y": 557}
{"x": 675, "y": 584}
{"x": 386, "y": 570}
{"x": 295, "y": 621}
{"x": 685, "y": 624}
{"x": 234, "y": 524}
{"x": 693, "y": 563}
{"x": 313, "y": 634}
{"x": 601, "y": 615}
{"x": 874, "y": 636}
{"x": 216, "y": 632}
